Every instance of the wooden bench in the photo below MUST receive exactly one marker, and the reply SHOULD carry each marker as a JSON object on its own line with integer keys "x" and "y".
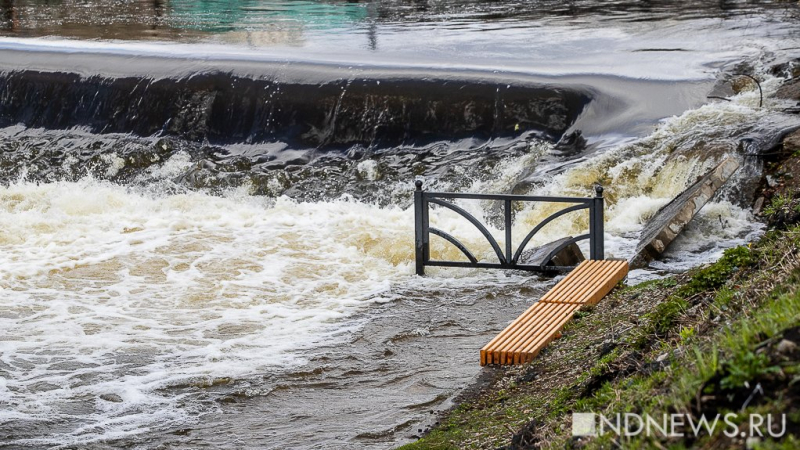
{"x": 526, "y": 336}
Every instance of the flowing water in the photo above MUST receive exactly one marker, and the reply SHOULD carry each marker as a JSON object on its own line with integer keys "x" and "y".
{"x": 206, "y": 232}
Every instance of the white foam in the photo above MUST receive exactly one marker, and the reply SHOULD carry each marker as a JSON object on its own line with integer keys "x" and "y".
{"x": 718, "y": 226}
{"x": 641, "y": 176}
{"x": 368, "y": 169}
{"x": 133, "y": 293}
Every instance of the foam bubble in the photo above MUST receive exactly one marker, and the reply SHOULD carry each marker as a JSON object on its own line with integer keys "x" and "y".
{"x": 368, "y": 169}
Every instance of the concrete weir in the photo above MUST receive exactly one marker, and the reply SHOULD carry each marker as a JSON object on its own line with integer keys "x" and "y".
{"x": 670, "y": 220}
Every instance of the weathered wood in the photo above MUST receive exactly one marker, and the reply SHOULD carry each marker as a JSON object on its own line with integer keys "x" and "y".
{"x": 527, "y": 335}
{"x": 670, "y": 220}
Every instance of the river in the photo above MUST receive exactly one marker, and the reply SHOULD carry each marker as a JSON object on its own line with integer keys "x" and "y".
{"x": 206, "y": 221}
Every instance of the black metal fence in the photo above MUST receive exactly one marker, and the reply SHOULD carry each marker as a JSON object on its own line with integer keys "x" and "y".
{"x": 508, "y": 259}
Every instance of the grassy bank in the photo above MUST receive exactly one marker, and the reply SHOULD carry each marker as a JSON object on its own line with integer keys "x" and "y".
{"x": 724, "y": 338}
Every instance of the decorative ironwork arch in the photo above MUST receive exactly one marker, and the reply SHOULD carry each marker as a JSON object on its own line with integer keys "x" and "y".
{"x": 507, "y": 259}
{"x": 541, "y": 225}
{"x": 463, "y": 213}
{"x": 455, "y": 242}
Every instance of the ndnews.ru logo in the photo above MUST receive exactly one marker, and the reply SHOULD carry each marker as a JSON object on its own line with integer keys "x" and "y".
{"x": 678, "y": 425}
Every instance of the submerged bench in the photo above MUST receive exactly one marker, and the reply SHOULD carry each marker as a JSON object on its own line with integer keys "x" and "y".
{"x": 526, "y": 336}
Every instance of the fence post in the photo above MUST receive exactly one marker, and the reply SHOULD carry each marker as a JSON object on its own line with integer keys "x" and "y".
{"x": 419, "y": 238}
{"x": 509, "y": 255}
{"x": 596, "y": 228}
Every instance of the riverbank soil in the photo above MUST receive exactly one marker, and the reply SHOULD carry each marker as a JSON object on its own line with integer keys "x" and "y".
{"x": 721, "y": 339}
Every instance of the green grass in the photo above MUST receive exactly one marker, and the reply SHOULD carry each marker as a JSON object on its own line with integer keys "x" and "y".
{"x": 781, "y": 204}
{"x": 715, "y": 275}
{"x": 778, "y": 203}
{"x": 744, "y": 301}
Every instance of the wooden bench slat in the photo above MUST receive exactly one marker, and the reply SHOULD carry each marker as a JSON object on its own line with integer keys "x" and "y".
{"x": 540, "y": 339}
{"x": 546, "y": 312}
{"x": 590, "y": 284}
{"x": 539, "y": 313}
{"x": 571, "y": 280}
{"x": 609, "y": 283}
{"x": 532, "y": 347}
{"x": 593, "y": 285}
{"x": 535, "y": 328}
{"x": 511, "y": 328}
{"x": 575, "y": 285}
{"x": 541, "y": 325}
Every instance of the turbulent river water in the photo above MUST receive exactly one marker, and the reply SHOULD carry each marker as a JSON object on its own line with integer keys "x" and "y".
{"x": 206, "y": 232}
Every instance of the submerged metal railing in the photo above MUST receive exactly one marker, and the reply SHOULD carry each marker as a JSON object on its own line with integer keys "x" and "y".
{"x": 508, "y": 259}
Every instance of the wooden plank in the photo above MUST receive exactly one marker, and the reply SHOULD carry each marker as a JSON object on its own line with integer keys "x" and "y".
{"x": 594, "y": 285}
{"x": 541, "y": 339}
{"x": 606, "y": 284}
{"x": 513, "y": 336}
{"x": 542, "y": 322}
{"x": 575, "y": 287}
{"x": 578, "y": 273}
{"x": 573, "y": 279}
{"x": 541, "y": 325}
{"x": 542, "y": 312}
{"x": 569, "y": 285}
{"x": 600, "y": 272}
{"x": 578, "y": 289}
{"x": 548, "y": 312}
{"x": 511, "y": 328}
{"x": 611, "y": 281}
{"x": 539, "y": 314}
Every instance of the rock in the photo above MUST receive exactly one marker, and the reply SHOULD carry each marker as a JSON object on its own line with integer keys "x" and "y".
{"x": 662, "y": 357}
{"x": 571, "y": 144}
{"x": 722, "y": 89}
{"x": 606, "y": 347}
{"x": 790, "y": 90}
{"x": 165, "y": 146}
{"x": 758, "y": 205}
{"x": 786, "y": 347}
{"x": 114, "y": 398}
{"x": 771, "y": 181}
{"x": 742, "y": 84}
{"x": 670, "y": 220}
{"x": 525, "y": 438}
{"x": 527, "y": 377}
{"x": 570, "y": 255}
{"x": 788, "y": 69}
{"x": 235, "y": 164}
{"x": 767, "y": 135}
{"x": 791, "y": 142}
